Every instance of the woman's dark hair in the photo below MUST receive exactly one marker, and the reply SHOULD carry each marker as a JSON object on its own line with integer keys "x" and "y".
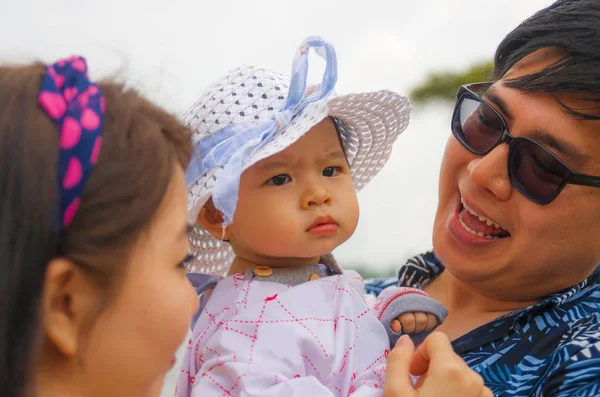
{"x": 572, "y": 26}
{"x": 141, "y": 146}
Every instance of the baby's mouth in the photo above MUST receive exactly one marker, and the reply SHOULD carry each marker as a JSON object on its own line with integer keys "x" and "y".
{"x": 479, "y": 225}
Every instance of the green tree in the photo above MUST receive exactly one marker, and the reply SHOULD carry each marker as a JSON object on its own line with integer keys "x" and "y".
{"x": 443, "y": 85}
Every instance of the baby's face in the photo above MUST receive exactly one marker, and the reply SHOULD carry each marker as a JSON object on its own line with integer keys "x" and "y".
{"x": 297, "y": 204}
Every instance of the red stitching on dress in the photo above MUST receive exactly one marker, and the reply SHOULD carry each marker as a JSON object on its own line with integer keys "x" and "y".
{"x": 218, "y": 356}
{"x": 258, "y": 322}
{"x": 311, "y": 364}
{"x": 237, "y": 277}
{"x": 216, "y": 383}
{"x": 235, "y": 384}
{"x": 348, "y": 292}
{"x": 380, "y": 375}
{"x": 212, "y": 320}
{"x": 337, "y": 283}
{"x": 306, "y": 328}
{"x": 363, "y": 313}
{"x": 378, "y": 360}
{"x": 323, "y": 320}
{"x": 344, "y": 360}
{"x": 247, "y": 283}
{"x": 227, "y": 328}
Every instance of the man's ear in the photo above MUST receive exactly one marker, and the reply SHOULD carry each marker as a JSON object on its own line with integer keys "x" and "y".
{"x": 70, "y": 299}
{"x": 211, "y": 219}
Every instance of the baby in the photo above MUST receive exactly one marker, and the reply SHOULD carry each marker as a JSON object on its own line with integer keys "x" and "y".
{"x": 272, "y": 191}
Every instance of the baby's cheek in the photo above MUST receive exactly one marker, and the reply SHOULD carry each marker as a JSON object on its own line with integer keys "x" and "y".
{"x": 351, "y": 215}
{"x": 278, "y": 239}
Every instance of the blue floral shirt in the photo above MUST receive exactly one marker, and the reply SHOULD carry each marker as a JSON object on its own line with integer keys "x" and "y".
{"x": 549, "y": 349}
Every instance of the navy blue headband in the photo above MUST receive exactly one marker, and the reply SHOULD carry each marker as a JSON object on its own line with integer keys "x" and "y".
{"x": 77, "y": 107}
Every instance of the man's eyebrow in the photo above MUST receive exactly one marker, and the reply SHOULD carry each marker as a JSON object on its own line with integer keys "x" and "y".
{"x": 560, "y": 145}
{"x": 498, "y": 101}
{"x": 538, "y": 134}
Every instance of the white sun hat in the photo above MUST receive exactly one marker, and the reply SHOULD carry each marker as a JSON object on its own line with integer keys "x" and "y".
{"x": 253, "y": 113}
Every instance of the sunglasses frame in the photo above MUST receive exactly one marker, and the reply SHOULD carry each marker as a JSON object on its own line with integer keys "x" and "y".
{"x": 469, "y": 91}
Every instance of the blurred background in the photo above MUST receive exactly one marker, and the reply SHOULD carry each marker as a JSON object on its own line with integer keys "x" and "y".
{"x": 172, "y": 50}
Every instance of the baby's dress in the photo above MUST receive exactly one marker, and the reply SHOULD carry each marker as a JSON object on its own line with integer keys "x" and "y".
{"x": 318, "y": 338}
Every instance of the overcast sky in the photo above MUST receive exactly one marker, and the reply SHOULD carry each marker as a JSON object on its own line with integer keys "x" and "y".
{"x": 173, "y": 50}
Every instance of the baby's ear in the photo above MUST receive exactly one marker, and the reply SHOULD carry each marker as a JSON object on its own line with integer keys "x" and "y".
{"x": 211, "y": 219}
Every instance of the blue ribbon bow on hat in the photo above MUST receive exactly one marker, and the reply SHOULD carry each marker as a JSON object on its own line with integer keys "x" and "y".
{"x": 231, "y": 146}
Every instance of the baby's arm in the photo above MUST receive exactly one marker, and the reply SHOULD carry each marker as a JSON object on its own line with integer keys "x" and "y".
{"x": 411, "y": 311}
{"x": 404, "y": 310}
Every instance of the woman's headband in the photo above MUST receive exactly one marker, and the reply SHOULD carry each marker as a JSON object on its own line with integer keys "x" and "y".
{"x": 77, "y": 107}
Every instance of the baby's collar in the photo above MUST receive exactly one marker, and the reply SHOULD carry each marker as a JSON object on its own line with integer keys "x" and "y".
{"x": 291, "y": 276}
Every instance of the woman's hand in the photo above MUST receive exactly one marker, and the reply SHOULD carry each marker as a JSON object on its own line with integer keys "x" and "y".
{"x": 443, "y": 372}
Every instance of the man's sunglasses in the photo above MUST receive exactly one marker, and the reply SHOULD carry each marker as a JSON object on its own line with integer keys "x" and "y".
{"x": 533, "y": 170}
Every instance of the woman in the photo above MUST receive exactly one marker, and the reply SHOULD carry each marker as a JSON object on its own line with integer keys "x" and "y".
{"x": 95, "y": 299}
{"x": 517, "y": 229}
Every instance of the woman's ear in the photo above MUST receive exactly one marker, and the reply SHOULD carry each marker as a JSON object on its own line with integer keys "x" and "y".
{"x": 70, "y": 299}
{"x": 211, "y": 219}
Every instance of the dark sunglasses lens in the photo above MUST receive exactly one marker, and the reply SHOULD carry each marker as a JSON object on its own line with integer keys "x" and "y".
{"x": 535, "y": 172}
{"x": 476, "y": 125}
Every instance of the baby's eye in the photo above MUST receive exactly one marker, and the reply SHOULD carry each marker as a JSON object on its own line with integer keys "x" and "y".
{"x": 331, "y": 171}
{"x": 279, "y": 180}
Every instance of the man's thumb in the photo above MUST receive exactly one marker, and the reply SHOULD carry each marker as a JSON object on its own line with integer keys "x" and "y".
{"x": 397, "y": 375}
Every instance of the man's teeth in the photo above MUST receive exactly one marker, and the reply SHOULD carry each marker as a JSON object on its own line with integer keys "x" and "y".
{"x": 473, "y": 232}
{"x": 482, "y": 218}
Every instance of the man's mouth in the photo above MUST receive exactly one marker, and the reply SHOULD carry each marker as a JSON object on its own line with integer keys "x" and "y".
{"x": 479, "y": 225}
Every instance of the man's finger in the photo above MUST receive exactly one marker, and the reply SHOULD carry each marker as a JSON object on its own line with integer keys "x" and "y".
{"x": 487, "y": 393}
{"x": 397, "y": 374}
{"x": 437, "y": 343}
